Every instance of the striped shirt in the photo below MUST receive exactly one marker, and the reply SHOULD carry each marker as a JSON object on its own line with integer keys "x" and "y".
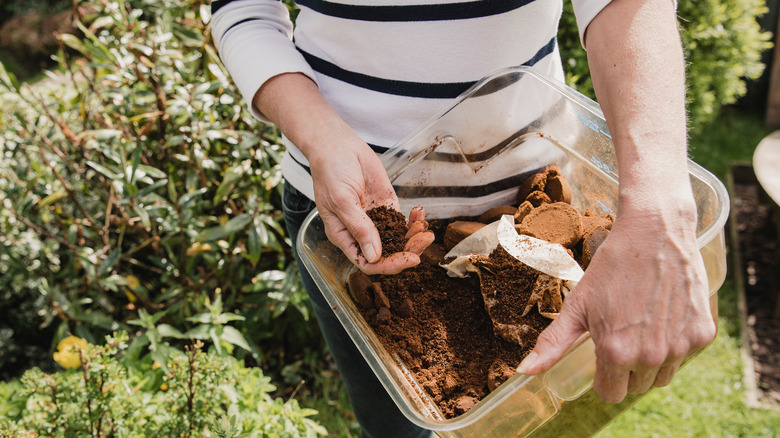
{"x": 386, "y": 66}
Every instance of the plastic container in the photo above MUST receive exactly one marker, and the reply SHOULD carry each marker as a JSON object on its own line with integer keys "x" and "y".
{"x": 505, "y": 127}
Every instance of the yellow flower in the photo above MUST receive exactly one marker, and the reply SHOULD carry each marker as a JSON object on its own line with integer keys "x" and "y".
{"x": 132, "y": 283}
{"x": 198, "y": 248}
{"x": 69, "y": 351}
{"x": 164, "y": 387}
{"x": 156, "y": 365}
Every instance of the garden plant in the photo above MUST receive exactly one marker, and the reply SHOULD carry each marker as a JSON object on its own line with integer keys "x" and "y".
{"x": 140, "y": 218}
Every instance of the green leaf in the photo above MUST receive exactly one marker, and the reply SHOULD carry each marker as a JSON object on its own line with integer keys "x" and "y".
{"x": 130, "y": 189}
{"x": 74, "y": 43}
{"x": 232, "y": 176}
{"x": 233, "y": 225}
{"x": 108, "y": 173}
{"x": 198, "y": 332}
{"x": 109, "y": 262}
{"x": 226, "y": 317}
{"x": 187, "y": 198}
{"x": 144, "y": 215}
{"x": 102, "y": 22}
{"x": 101, "y": 134}
{"x": 97, "y": 319}
{"x": 235, "y": 337}
{"x": 168, "y": 331}
{"x": 205, "y": 13}
{"x": 203, "y": 318}
{"x": 152, "y": 187}
{"x": 161, "y": 353}
{"x": 8, "y": 80}
{"x": 254, "y": 246}
{"x": 188, "y": 37}
{"x": 214, "y": 336}
{"x": 136, "y": 346}
{"x": 133, "y": 171}
{"x": 51, "y": 199}
{"x": 172, "y": 195}
{"x": 153, "y": 172}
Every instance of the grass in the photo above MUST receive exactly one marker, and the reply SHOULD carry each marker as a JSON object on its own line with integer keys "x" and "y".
{"x": 732, "y": 137}
{"x": 706, "y": 398}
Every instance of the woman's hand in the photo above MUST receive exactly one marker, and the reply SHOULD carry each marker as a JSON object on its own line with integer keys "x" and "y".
{"x": 348, "y": 176}
{"x": 346, "y": 185}
{"x": 645, "y": 301}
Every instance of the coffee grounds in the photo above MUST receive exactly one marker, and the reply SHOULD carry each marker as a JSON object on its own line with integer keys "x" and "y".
{"x": 439, "y": 328}
{"x": 392, "y": 228}
{"x": 556, "y": 223}
{"x": 510, "y": 282}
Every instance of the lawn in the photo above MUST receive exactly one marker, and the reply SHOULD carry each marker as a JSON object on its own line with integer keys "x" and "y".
{"x": 707, "y": 398}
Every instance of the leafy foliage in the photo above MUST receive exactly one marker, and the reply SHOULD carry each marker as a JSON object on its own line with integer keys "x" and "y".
{"x": 723, "y": 44}
{"x": 136, "y": 185}
{"x": 112, "y": 396}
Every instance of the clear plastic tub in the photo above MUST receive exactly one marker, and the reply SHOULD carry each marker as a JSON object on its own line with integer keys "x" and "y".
{"x": 504, "y": 128}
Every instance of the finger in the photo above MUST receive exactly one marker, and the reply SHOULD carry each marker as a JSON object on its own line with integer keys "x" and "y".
{"x": 639, "y": 381}
{"x": 553, "y": 342}
{"x": 416, "y": 227}
{"x": 340, "y": 236}
{"x": 363, "y": 230}
{"x": 610, "y": 381}
{"x": 417, "y": 214}
{"x": 419, "y": 242}
{"x": 665, "y": 374}
{"x": 390, "y": 265}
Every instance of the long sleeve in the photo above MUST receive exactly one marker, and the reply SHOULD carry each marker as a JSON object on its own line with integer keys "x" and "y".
{"x": 254, "y": 41}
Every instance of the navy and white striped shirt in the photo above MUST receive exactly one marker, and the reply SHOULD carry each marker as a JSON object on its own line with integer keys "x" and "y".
{"x": 386, "y": 66}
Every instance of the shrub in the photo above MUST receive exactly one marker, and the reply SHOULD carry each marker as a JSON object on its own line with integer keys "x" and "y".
{"x": 723, "y": 44}
{"x": 192, "y": 395}
{"x": 138, "y": 190}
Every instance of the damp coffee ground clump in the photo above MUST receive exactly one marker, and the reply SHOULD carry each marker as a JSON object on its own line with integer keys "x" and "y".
{"x": 458, "y": 343}
{"x": 392, "y": 228}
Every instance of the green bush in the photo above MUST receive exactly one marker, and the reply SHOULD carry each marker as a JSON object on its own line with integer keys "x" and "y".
{"x": 193, "y": 395}
{"x": 138, "y": 191}
{"x": 723, "y": 44}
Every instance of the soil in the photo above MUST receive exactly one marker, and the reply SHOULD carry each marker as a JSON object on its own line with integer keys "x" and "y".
{"x": 392, "y": 228}
{"x": 759, "y": 246}
{"x": 439, "y": 326}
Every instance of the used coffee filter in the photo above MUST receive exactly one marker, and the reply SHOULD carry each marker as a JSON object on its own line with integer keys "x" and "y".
{"x": 559, "y": 272}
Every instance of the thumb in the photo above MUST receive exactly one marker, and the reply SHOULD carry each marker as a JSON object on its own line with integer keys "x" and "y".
{"x": 365, "y": 233}
{"x": 350, "y": 226}
{"x": 553, "y": 342}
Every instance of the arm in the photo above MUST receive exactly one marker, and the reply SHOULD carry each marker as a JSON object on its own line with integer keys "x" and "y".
{"x": 253, "y": 38}
{"x": 348, "y": 176}
{"x": 644, "y": 298}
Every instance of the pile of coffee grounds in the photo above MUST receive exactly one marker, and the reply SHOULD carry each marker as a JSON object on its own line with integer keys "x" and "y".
{"x": 438, "y": 326}
{"x": 506, "y": 285}
{"x": 392, "y": 228}
{"x": 508, "y": 281}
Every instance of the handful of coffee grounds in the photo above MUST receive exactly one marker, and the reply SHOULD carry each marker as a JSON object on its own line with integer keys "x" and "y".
{"x": 391, "y": 225}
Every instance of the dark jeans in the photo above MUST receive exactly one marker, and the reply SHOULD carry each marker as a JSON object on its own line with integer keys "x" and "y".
{"x": 374, "y": 409}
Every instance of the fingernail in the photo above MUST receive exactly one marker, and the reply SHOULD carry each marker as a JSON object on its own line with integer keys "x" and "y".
{"x": 370, "y": 253}
{"x": 527, "y": 363}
